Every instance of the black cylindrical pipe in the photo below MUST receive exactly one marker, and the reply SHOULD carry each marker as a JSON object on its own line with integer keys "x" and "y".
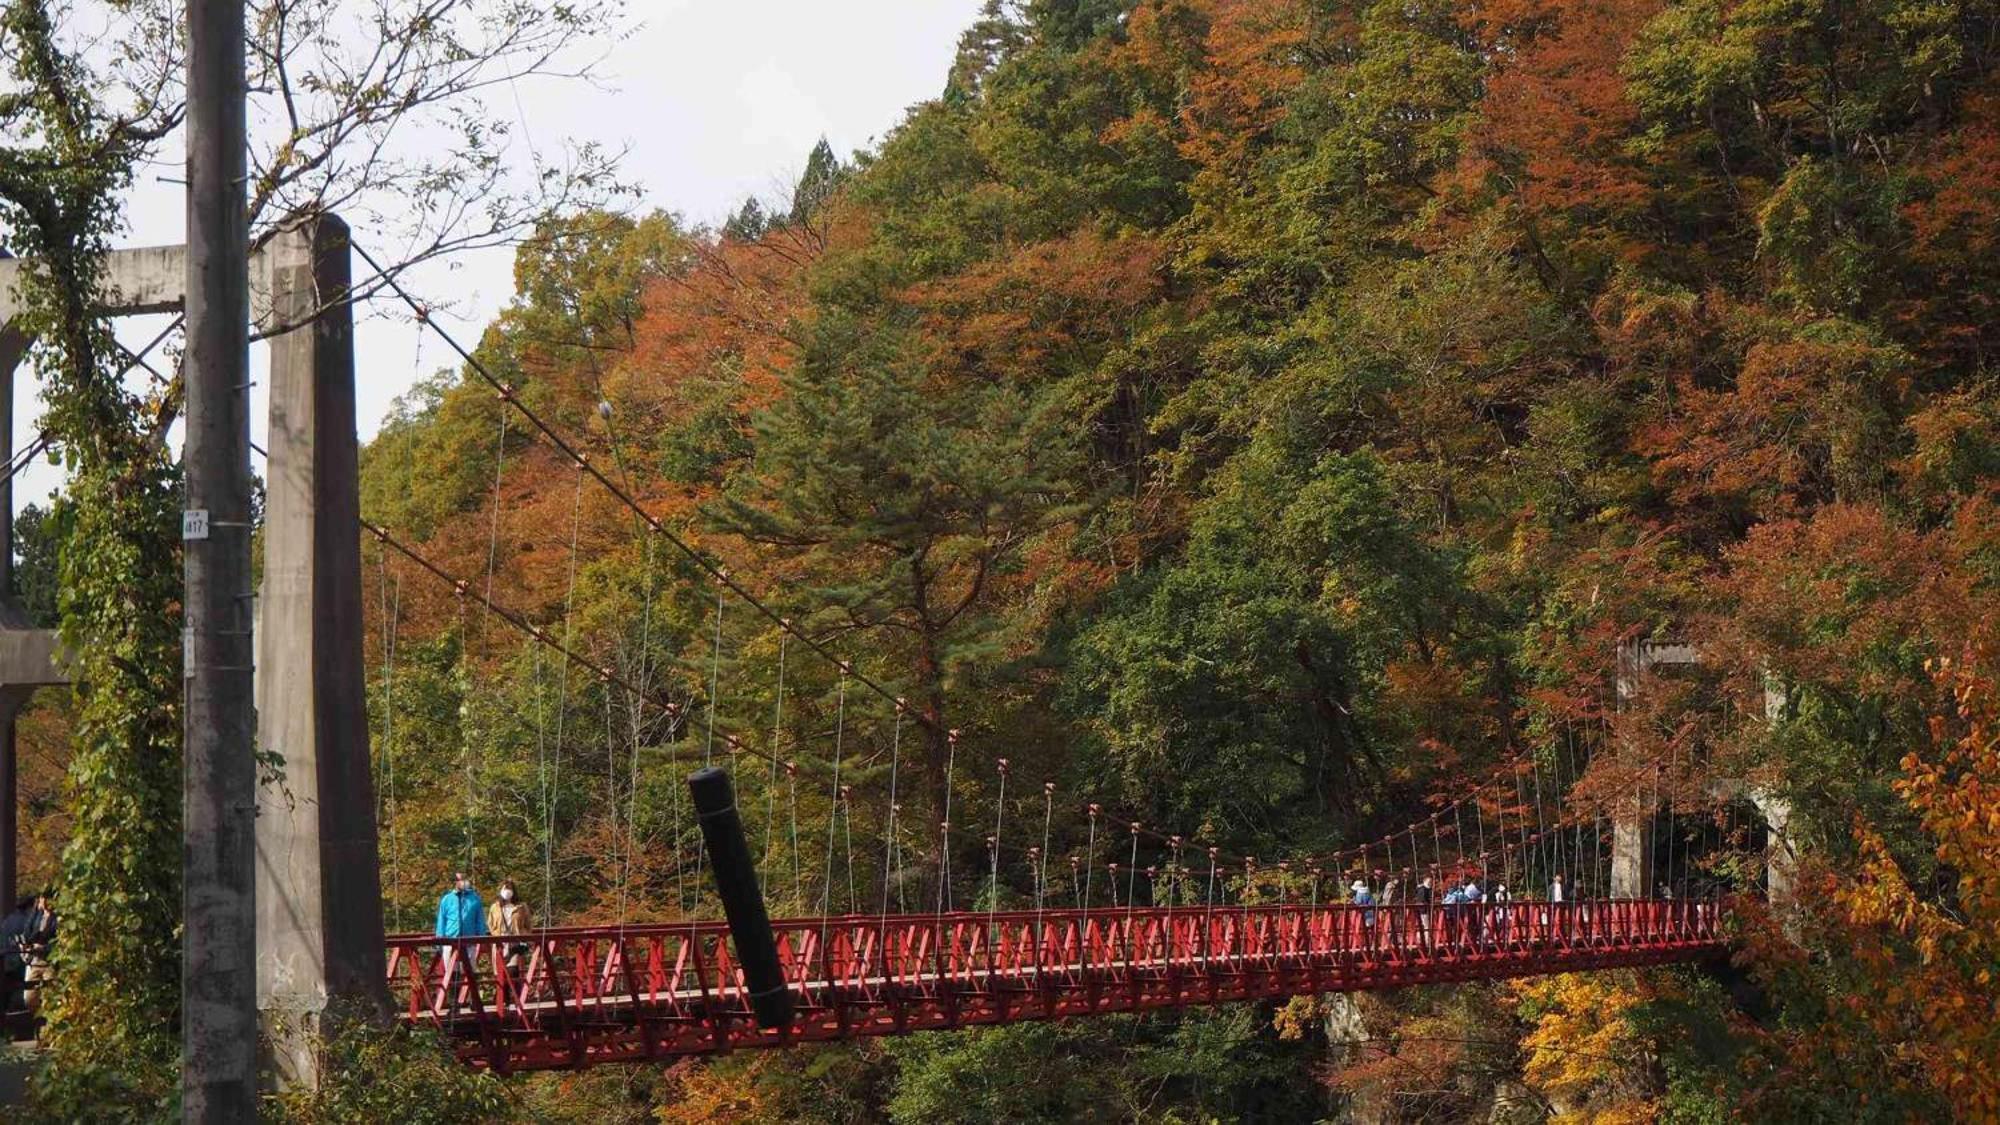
{"x": 742, "y": 901}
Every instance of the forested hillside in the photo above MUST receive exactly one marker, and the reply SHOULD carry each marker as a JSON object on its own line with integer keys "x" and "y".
{"x": 1259, "y": 416}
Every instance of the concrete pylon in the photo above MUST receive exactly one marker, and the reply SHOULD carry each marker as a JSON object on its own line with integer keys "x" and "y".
{"x": 319, "y": 896}
{"x": 1632, "y": 835}
{"x": 319, "y": 904}
{"x": 1631, "y": 848}
{"x": 1632, "y": 828}
{"x": 1781, "y": 858}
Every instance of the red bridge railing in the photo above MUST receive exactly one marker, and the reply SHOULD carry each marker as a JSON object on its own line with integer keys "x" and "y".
{"x": 575, "y": 997}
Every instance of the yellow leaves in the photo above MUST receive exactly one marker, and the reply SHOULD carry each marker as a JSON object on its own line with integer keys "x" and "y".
{"x": 1582, "y": 1052}
{"x": 1297, "y": 1018}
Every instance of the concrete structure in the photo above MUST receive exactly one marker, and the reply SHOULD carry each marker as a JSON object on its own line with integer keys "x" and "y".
{"x": 1632, "y": 831}
{"x": 319, "y": 920}
{"x": 1632, "y": 827}
{"x": 319, "y": 894}
{"x": 140, "y": 281}
{"x": 1631, "y": 847}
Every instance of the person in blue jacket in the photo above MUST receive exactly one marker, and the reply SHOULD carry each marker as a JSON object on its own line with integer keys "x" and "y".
{"x": 461, "y": 914}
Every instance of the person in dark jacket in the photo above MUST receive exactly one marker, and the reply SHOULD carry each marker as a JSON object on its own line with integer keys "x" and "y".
{"x": 13, "y": 964}
{"x": 37, "y": 938}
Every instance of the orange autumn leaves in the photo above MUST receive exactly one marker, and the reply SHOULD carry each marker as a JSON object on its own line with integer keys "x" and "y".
{"x": 1934, "y": 955}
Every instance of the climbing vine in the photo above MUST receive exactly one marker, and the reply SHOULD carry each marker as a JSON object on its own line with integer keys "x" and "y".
{"x": 113, "y": 1014}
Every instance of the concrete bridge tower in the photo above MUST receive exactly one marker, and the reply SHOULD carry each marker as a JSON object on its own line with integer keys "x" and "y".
{"x": 318, "y": 883}
{"x": 1632, "y": 828}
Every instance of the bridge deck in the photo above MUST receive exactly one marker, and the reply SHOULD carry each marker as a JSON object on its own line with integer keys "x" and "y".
{"x": 582, "y": 996}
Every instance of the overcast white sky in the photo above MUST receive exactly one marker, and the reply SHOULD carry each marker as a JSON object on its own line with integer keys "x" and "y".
{"x": 713, "y": 100}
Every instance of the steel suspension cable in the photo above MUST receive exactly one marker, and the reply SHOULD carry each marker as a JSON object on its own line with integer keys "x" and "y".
{"x": 1458, "y": 833}
{"x": 1089, "y": 857}
{"x": 1673, "y": 830}
{"x": 551, "y": 793}
{"x": 944, "y": 825}
{"x": 714, "y": 684}
{"x": 619, "y": 492}
{"x": 611, "y": 793}
{"x": 1041, "y": 857}
{"x": 1132, "y": 876}
{"x": 889, "y": 825}
{"x": 1209, "y": 924}
{"x": 839, "y": 728}
{"x": 792, "y": 784}
{"x": 1555, "y": 815}
{"x": 847, "y": 834}
{"x": 777, "y": 750}
{"x": 465, "y": 755}
{"x": 999, "y": 826}
{"x": 1540, "y": 826}
{"x": 636, "y": 705}
{"x": 392, "y": 613}
{"x": 1479, "y": 815}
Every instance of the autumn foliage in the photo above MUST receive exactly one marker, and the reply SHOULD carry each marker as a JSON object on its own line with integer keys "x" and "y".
{"x": 1262, "y": 416}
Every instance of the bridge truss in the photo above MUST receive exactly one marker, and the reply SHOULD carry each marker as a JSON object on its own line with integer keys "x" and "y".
{"x": 576, "y": 997}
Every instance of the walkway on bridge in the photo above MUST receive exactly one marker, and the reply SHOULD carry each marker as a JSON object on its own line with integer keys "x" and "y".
{"x": 578, "y": 997}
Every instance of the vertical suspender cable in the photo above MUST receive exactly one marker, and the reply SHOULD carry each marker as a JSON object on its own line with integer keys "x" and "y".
{"x": 1132, "y": 876}
{"x": 1458, "y": 831}
{"x": 944, "y": 824}
{"x": 477, "y": 795}
{"x": 889, "y": 826}
{"x": 1042, "y": 858}
{"x": 777, "y": 754}
{"x": 1667, "y": 807}
{"x": 637, "y": 703}
{"x": 1540, "y": 827}
{"x": 714, "y": 684}
{"x": 839, "y": 729}
{"x": 847, "y": 839}
{"x": 1576, "y": 777}
{"x": 611, "y": 787}
{"x": 792, "y": 786}
{"x": 675, "y": 734}
{"x": 392, "y": 614}
{"x": 714, "y": 687}
{"x": 1090, "y": 856}
{"x": 999, "y": 824}
{"x": 551, "y": 794}
{"x": 464, "y": 684}
{"x": 469, "y": 652}
{"x": 1479, "y": 816}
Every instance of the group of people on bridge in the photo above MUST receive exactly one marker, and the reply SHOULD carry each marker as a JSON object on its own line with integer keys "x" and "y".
{"x": 461, "y": 913}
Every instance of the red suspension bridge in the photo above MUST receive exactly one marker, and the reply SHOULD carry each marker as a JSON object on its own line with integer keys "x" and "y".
{"x": 576, "y": 997}
{"x": 570, "y": 997}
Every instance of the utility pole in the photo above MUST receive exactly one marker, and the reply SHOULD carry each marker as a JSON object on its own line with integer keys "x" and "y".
{"x": 218, "y": 971}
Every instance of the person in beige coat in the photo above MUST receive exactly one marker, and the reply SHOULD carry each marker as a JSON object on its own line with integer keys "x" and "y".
{"x": 510, "y": 917}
